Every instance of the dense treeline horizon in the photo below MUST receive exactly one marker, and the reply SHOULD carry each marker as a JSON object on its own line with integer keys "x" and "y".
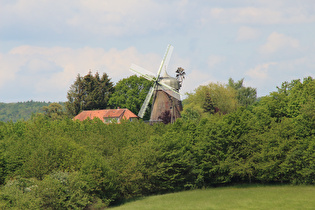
{"x": 22, "y": 110}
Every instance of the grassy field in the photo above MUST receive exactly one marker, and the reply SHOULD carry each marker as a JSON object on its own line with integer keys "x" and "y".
{"x": 241, "y": 197}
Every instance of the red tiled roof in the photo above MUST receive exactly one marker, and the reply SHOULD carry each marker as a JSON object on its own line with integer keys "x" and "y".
{"x": 105, "y": 113}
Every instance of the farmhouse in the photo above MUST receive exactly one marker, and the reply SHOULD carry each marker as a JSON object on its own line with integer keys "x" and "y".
{"x": 107, "y": 115}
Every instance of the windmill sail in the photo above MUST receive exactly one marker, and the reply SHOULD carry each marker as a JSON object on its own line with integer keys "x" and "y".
{"x": 143, "y": 72}
{"x": 170, "y": 91}
{"x": 166, "y": 59}
{"x": 146, "y": 102}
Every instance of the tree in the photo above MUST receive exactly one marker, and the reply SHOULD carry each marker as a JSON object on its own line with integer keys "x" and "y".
{"x": 88, "y": 93}
{"x": 290, "y": 98}
{"x": 245, "y": 95}
{"x": 208, "y": 105}
{"x": 130, "y": 93}
{"x": 211, "y": 98}
{"x": 54, "y": 111}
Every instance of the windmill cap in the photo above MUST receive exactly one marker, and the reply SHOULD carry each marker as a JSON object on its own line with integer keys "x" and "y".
{"x": 171, "y": 81}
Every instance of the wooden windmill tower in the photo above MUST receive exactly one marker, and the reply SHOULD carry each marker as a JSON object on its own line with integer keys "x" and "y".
{"x": 166, "y": 103}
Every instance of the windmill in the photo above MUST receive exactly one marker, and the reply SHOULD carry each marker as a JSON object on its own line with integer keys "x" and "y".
{"x": 165, "y": 91}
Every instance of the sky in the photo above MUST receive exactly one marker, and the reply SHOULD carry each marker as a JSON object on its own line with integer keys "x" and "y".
{"x": 45, "y": 44}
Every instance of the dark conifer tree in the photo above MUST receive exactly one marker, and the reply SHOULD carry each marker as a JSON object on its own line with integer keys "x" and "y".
{"x": 208, "y": 105}
{"x": 89, "y": 93}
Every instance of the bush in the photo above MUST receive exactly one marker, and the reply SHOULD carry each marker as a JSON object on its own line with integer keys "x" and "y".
{"x": 20, "y": 193}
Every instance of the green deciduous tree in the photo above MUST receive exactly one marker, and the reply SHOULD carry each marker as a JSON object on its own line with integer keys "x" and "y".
{"x": 130, "y": 93}
{"x": 290, "y": 99}
{"x": 88, "y": 93}
{"x": 211, "y": 98}
{"x": 245, "y": 95}
{"x": 54, "y": 111}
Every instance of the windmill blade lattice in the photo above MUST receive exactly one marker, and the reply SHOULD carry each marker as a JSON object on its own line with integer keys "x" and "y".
{"x": 166, "y": 59}
{"x": 142, "y": 72}
{"x": 146, "y": 102}
{"x": 170, "y": 91}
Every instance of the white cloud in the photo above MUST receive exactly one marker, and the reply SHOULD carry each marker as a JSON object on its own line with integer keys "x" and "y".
{"x": 196, "y": 78}
{"x": 9, "y": 67}
{"x": 259, "y": 14}
{"x": 262, "y": 78}
{"x": 260, "y": 72}
{"x": 121, "y": 17}
{"x": 247, "y": 33}
{"x": 51, "y": 70}
{"x": 28, "y": 13}
{"x": 95, "y": 17}
{"x": 277, "y": 41}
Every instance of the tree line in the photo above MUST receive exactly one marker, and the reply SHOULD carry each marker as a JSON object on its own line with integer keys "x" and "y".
{"x": 21, "y": 110}
{"x": 92, "y": 92}
{"x": 52, "y": 162}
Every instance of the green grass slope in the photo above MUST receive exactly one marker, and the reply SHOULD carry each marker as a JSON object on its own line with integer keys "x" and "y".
{"x": 261, "y": 197}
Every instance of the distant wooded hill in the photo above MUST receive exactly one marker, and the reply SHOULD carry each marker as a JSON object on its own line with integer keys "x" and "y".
{"x": 21, "y": 110}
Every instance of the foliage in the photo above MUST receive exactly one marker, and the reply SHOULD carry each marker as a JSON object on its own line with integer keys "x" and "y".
{"x": 19, "y": 194}
{"x": 88, "y": 93}
{"x": 58, "y": 163}
{"x": 212, "y": 98}
{"x": 60, "y": 190}
{"x": 21, "y": 110}
{"x": 130, "y": 93}
{"x": 245, "y": 95}
{"x": 54, "y": 111}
